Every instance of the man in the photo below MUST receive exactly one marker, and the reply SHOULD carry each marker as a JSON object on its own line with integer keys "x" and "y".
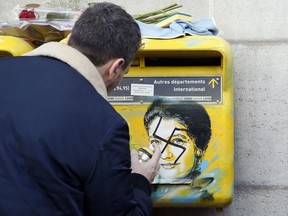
{"x": 63, "y": 148}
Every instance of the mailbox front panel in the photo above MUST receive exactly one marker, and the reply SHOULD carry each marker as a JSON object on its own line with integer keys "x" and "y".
{"x": 179, "y": 95}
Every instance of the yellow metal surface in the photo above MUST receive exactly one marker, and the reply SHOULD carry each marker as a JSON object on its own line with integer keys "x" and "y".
{"x": 64, "y": 41}
{"x": 13, "y": 46}
{"x": 214, "y": 185}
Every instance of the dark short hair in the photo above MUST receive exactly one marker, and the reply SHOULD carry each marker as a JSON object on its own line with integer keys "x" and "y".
{"x": 190, "y": 114}
{"x": 106, "y": 31}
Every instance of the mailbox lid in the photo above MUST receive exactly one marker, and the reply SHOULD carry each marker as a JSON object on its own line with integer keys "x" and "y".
{"x": 187, "y": 43}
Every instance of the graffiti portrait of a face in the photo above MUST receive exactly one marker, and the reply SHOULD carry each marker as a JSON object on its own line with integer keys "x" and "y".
{"x": 182, "y": 131}
{"x": 177, "y": 148}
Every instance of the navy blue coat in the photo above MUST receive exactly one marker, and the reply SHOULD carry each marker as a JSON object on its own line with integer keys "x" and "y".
{"x": 63, "y": 148}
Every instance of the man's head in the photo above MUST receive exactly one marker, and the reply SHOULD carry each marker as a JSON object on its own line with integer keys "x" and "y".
{"x": 109, "y": 37}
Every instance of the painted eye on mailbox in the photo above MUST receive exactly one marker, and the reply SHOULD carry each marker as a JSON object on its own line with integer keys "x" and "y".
{"x": 155, "y": 141}
{"x": 178, "y": 141}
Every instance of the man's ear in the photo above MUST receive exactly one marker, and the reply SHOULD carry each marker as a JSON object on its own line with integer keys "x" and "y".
{"x": 115, "y": 67}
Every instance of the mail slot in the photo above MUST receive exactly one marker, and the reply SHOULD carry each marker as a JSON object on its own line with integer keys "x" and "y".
{"x": 179, "y": 95}
{"x": 13, "y": 46}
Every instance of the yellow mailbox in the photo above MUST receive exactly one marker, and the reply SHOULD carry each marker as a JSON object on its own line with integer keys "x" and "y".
{"x": 179, "y": 95}
{"x": 13, "y": 46}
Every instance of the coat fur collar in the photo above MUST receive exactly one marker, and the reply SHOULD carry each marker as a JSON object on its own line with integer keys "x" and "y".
{"x": 75, "y": 59}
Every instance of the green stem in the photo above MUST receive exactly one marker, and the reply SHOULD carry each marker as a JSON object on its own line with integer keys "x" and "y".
{"x": 153, "y": 13}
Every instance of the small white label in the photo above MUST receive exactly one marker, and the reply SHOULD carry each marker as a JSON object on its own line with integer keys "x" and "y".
{"x": 142, "y": 90}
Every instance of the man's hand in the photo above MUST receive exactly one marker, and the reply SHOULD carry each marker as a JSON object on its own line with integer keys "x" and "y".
{"x": 148, "y": 169}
